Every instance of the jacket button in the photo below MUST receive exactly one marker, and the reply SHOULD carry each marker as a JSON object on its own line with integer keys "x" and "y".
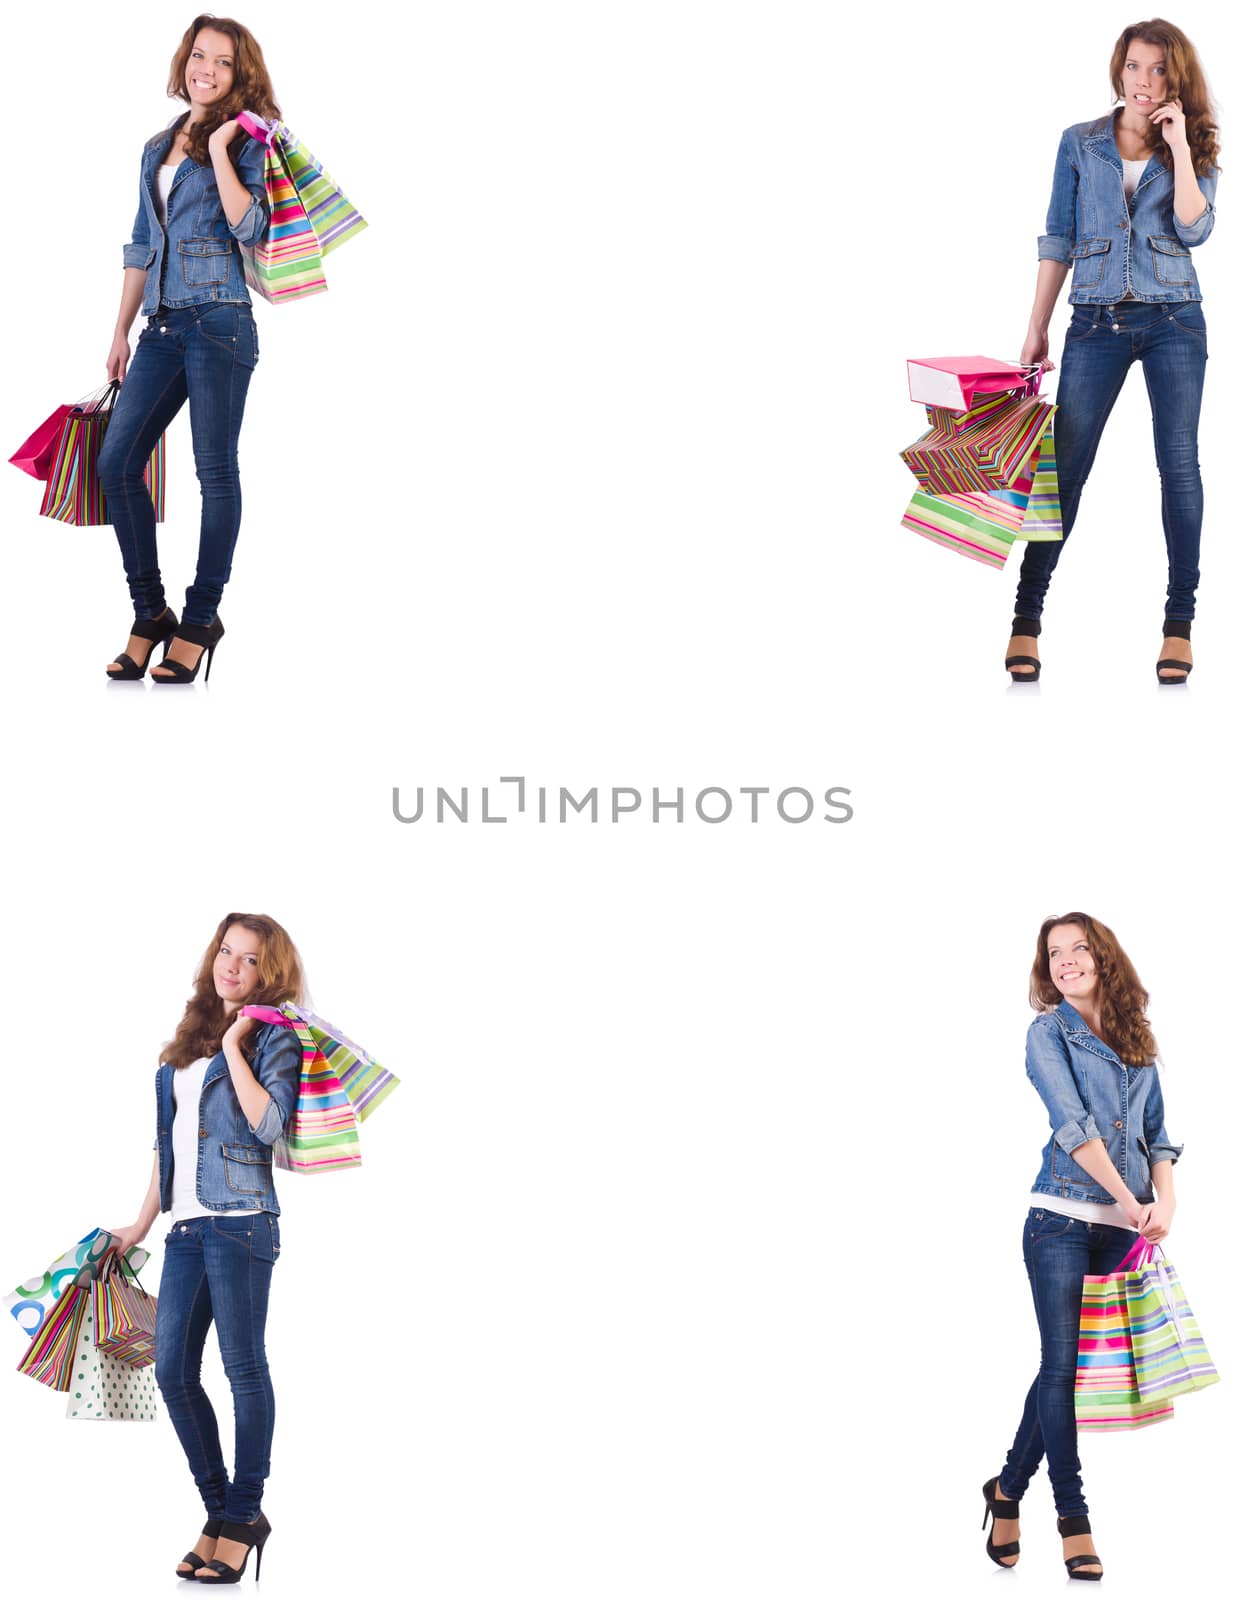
{"x": 1123, "y": 224}
{"x": 1118, "y": 1124}
{"x": 202, "y": 1132}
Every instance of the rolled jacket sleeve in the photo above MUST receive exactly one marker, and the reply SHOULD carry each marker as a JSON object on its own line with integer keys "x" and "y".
{"x": 251, "y": 169}
{"x": 137, "y": 251}
{"x": 278, "y": 1070}
{"x": 1056, "y": 243}
{"x": 1196, "y": 232}
{"x": 1048, "y": 1068}
{"x": 1158, "y": 1146}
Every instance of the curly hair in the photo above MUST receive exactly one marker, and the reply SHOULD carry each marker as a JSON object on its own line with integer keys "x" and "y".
{"x": 1184, "y": 81}
{"x": 251, "y": 83}
{"x": 1123, "y": 1021}
{"x": 280, "y": 978}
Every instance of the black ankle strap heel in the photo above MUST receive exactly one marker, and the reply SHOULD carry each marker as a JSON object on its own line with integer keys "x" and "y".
{"x": 1067, "y": 1527}
{"x": 999, "y": 1508}
{"x": 194, "y": 1561}
{"x": 1028, "y": 626}
{"x": 253, "y": 1534}
{"x": 1174, "y": 628}
{"x": 158, "y": 630}
{"x": 192, "y": 633}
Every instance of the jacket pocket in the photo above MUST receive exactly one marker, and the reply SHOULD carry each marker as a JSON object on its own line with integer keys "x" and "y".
{"x": 1088, "y": 256}
{"x": 1171, "y": 259}
{"x": 205, "y": 261}
{"x": 247, "y": 1168}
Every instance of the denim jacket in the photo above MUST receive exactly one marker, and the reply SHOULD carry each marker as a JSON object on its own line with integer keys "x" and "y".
{"x": 196, "y": 258}
{"x": 1117, "y": 249}
{"x": 234, "y": 1160}
{"x": 1090, "y": 1094}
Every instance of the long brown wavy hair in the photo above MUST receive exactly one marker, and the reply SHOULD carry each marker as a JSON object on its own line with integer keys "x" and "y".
{"x": 1184, "y": 81}
{"x": 280, "y": 978}
{"x": 1123, "y": 999}
{"x": 251, "y": 82}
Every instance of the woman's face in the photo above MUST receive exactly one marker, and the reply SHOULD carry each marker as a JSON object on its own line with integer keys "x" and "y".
{"x": 236, "y": 967}
{"x": 1144, "y": 78}
{"x": 1070, "y": 963}
{"x": 210, "y": 69}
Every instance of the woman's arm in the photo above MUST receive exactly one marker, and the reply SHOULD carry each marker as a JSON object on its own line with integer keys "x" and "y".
{"x": 1052, "y": 274}
{"x": 130, "y": 300}
{"x": 252, "y": 1096}
{"x": 1095, "y": 1161}
{"x": 1189, "y": 201}
{"x": 243, "y": 197}
{"x": 136, "y": 1231}
{"x": 1160, "y": 1216}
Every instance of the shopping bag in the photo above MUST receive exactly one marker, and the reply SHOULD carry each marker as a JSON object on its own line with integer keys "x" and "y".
{"x": 49, "y": 1355}
{"x": 954, "y": 381}
{"x": 1108, "y": 1397}
{"x": 73, "y": 492}
{"x": 310, "y": 217}
{"x": 35, "y": 456}
{"x": 991, "y": 446}
{"x": 102, "y": 1388}
{"x": 123, "y": 1315}
{"x": 36, "y": 1297}
{"x": 1167, "y": 1349}
{"x": 341, "y": 1084}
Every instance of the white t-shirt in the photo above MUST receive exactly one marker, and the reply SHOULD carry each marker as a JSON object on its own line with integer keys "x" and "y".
{"x": 1131, "y": 171}
{"x": 163, "y": 187}
{"x": 186, "y": 1096}
{"x": 1111, "y": 1216}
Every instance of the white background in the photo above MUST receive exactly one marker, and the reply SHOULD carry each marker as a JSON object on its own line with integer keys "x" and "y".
{"x": 686, "y": 1258}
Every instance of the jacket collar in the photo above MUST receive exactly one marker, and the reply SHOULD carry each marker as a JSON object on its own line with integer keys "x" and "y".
{"x": 1079, "y": 1033}
{"x": 1101, "y": 140}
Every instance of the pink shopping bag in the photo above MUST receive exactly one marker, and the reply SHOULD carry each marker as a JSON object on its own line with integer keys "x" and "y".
{"x": 35, "y": 456}
{"x": 954, "y": 381}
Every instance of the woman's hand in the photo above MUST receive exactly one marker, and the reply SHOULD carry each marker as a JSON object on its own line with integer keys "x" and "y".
{"x": 118, "y": 359}
{"x": 1035, "y": 352}
{"x": 222, "y": 137}
{"x": 1170, "y": 118}
{"x": 240, "y": 1027}
{"x": 123, "y": 1239}
{"x": 1157, "y": 1220}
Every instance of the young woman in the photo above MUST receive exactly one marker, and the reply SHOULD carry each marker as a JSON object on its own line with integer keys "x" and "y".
{"x": 1106, "y": 1175}
{"x": 201, "y": 196}
{"x": 1133, "y": 193}
{"x": 225, "y": 1091}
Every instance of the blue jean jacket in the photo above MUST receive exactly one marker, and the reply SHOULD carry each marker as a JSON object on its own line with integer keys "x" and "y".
{"x": 234, "y": 1160}
{"x": 196, "y": 258}
{"x": 1091, "y": 1094}
{"x": 1117, "y": 249}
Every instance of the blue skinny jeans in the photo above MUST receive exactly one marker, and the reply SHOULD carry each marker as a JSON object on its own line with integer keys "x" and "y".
{"x": 1101, "y": 345}
{"x": 204, "y": 354}
{"x": 218, "y": 1269}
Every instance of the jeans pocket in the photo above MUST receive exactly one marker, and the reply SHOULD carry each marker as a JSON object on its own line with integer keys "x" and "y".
{"x": 1042, "y": 1224}
{"x": 265, "y": 1243}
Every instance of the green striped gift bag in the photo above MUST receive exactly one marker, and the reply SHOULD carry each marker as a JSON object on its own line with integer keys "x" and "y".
{"x": 340, "y": 1085}
{"x": 1168, "y": 1352}
{"x": 74, "y": 493}
{"x": 310, "y": 217}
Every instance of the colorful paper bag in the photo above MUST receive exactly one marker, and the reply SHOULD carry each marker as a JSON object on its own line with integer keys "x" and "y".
{"x": 35, "y": 456}
{"x": 989, "y": 447}
{"x": 954, "y": 381}
{"x": 123, "y": 1315}
{"x": 48, "y": 1358}
{"x": 310, "y": 217}
{"x": 74, "y": 493}
{"x": 1167, "y": 1348}
{"x": 104, "y": 1389}
{"x": 341, "y": 1084}
{"x": 36, "y": 1297}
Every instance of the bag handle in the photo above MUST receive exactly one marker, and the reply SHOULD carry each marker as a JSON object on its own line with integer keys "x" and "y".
{"x": 1139, "y": 1256}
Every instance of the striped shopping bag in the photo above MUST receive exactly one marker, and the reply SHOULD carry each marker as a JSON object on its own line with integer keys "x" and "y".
{"x": 48, "y": 1358}
{"x": 1167, "y": 1348}
{"x": 983, "y": 524}
{"x": 991, "y": 446}
{"x": 310, "y": 217}
{"x": 73, "y": 492}
{"x": 341, "y": 1084}
{"x": 124, "y": 1315}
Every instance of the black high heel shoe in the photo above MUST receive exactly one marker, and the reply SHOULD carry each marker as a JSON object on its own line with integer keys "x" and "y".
{"x": 999, "y": 1508}
{"x": 191, "y": 633}
{"x": 1067, "y": 1527}
{"x": 158, "y": 630}
{"x": 193, "y": 1560}
{"x": 1174, "y": 628}
{"x": 253, "y": 1534}
{"x": 1028, "y": 626}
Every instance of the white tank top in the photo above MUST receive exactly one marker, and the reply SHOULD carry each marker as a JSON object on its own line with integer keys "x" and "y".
{"x": 186, "y": 1096}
